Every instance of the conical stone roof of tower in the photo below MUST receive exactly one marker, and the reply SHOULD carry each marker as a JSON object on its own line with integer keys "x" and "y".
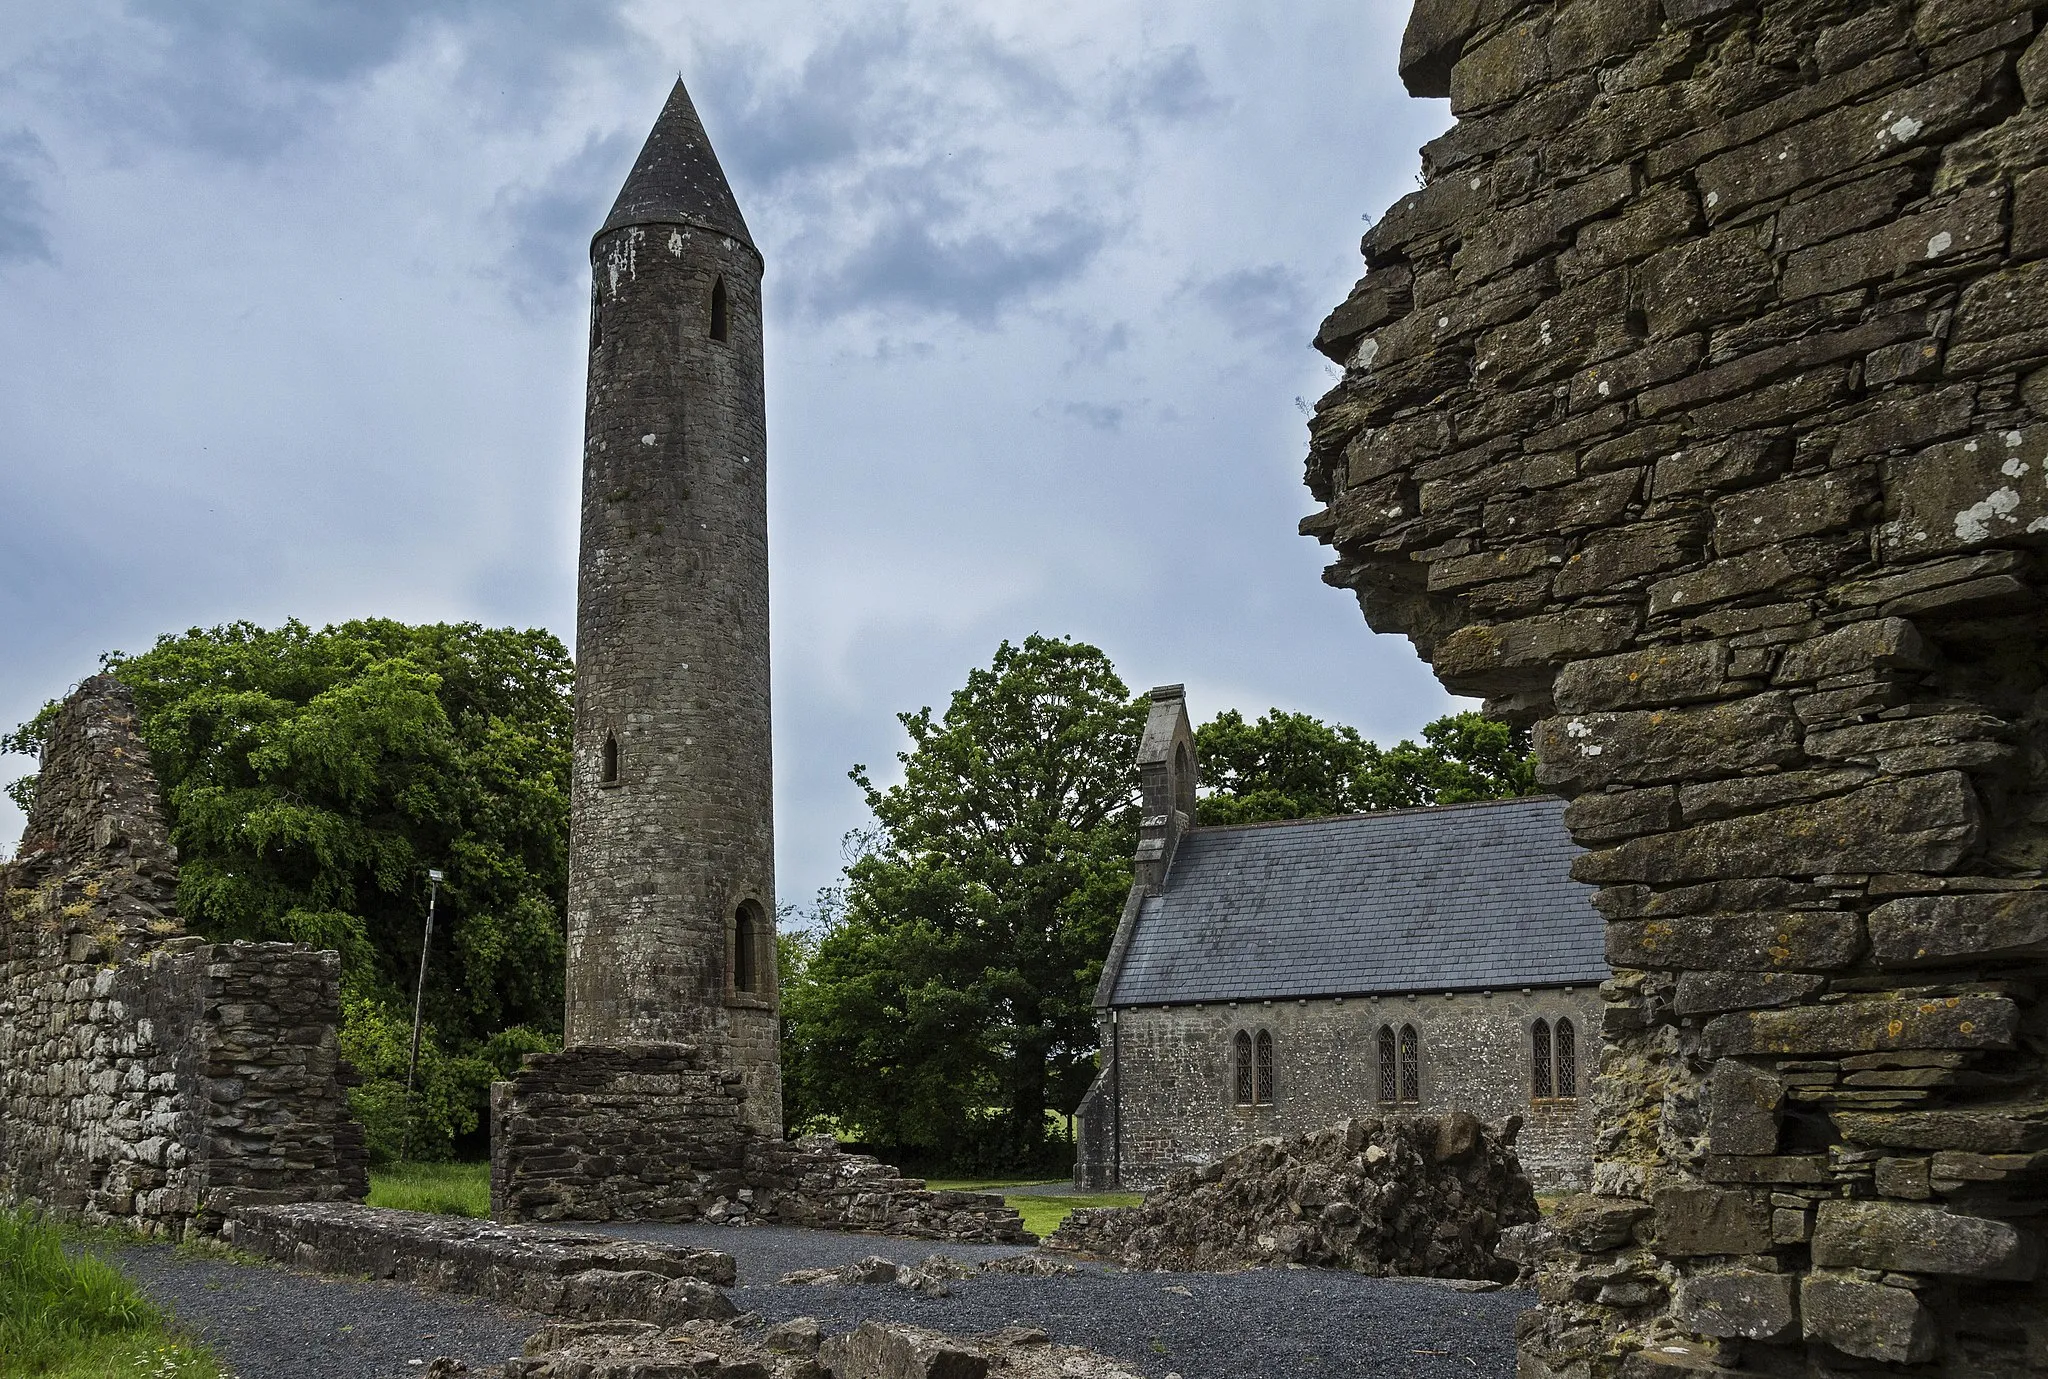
{"x": 677, "y": 180}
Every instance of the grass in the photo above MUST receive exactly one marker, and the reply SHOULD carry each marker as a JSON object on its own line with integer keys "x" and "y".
{"x": 67, "y": 1315}
{"x": 443, "y": 1189}
{"x": 1043, "y": 1214}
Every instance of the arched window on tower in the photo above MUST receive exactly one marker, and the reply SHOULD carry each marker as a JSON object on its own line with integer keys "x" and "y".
{"x": 1241, "y": 1067}
{"x": 1390, "y": 1073}
{"x": 1567, "y": 1059}
{"x": 1411, "y": 1065}
{"x": 1264, "y": 1089}
{"x": 718, "y": 311}
{"x": 746, "y": 948}
{"x": 608, "y": 769}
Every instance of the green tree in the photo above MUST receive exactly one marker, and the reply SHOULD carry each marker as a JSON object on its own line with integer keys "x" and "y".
{"x": 1294, "y": 766}
{"x": 312, "y": 777}
{"x": 947, "y": 1007}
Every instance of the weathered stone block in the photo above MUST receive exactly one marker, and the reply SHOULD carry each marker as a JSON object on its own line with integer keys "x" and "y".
{"x": 1503, "y": 658}
{"x": 1946, "y": 1022}
{"x": 1436, "y": 36}
{"x": 1928, "y": 930}
{"x": 1711, "y": 1221}
{"x": 1745, "y": 1106}
{"x": 878, "y": 1350}
{"x": 1878, "y": 644}
{"x": 1607, "y": 559}
{"x": 1966, "y": 494}
{"x": 1621, "y": 814}
{"x": 1706, "y": 993}
{"x": 1919, "y": 1239}
{"x": 1740, "y": 1302}
{"x": 1866, "y": 1319}
{"x": 1924, "y": 823}
{"x": 1795, "y": 940}
{"x": 1996, "y": 1129}
{"x": 1706, "y": 281}
{"x": 1793, "y": 508}
{"x": 1663, "y": 675}
{"x": 1500, "y": 69}
{"x": 2002, "y": 319}
{"x": 1972, "y": 223}
{"x": 1588, "y": 751}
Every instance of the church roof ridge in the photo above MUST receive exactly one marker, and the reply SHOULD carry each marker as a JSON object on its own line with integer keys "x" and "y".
{"x": 1374, "y": 813}
{"x": 677, "y": 179}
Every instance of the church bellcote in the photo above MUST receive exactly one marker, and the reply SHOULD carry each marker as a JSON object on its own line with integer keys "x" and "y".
{"x": 1166, "y": 780}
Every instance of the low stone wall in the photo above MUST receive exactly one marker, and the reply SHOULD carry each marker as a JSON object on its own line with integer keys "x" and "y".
{"x": 1420, "y": 1195}
{"x": 556, "y": 1272}
{"x": 148, "y": 1078}
{"x": 655, "y": 1132}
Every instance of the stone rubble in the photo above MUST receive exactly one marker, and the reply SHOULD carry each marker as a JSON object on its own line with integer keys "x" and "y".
{"x": 1694, "y": 412}
{"x": 1416, "y": 1195}
{"x": 931, "y": 1276}
{"x": 744, "y": 1348}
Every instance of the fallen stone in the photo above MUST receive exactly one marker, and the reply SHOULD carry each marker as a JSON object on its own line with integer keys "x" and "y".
{"x": 1423, "y": 1195}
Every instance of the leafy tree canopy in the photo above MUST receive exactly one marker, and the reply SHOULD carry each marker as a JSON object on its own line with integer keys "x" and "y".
{"x": 1293, "y": 766}
{"x": 312, "y": 777}
{"x": 946, "y": 1006}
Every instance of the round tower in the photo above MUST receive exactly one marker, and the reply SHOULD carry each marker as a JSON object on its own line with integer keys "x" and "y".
{"x": 671, "y": 854}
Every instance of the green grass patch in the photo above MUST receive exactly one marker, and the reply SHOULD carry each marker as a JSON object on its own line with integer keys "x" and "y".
{"x": 69, "y": 1315}
{"x": 987, "y": 1184}
{"x": 442, "y": 1188}
{"x": 1043, "y": 1214}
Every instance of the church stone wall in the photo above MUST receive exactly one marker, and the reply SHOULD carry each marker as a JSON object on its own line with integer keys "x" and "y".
{"x": 1694, "y": 412}
{"x": 148, "y": 1078}
{"x": 1178, "y": 1101}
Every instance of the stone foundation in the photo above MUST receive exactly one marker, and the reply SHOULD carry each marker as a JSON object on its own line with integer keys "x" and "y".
{"x": 150, "y": 1079}
{"x": 656, "y": 1132}
{"x": 556, "y": 1272}
{"x": 1694, "y": 412}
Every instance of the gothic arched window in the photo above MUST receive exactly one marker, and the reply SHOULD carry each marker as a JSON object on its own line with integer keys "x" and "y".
{"x": 1265, "y": 1068}
{"x": 1411, "y": 1065}
{"x": 1241, "y": 1067}
{"x": 1567, "y": 1059}
{"x": 608, "y": 768}
{"x": 718, "y": 311}
{"x": 1390, "y": 1073}
{"x": 1539, "y": 1060}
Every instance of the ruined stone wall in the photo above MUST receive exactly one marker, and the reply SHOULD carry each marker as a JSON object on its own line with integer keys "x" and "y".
{"x": 1694, "y": 411}
{"x": 149, "y": 1078}
{"x": 1179, "y": 1105}
{"x": 660, "y": 1132}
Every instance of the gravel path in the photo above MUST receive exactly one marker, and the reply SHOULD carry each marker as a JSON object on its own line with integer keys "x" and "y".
{"x": 269, "y": 1323}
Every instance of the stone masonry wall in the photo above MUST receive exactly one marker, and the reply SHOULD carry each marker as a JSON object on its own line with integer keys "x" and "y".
{"x": 149, "y": 1078}
{"x": 1179, "y": 1109}
{"x": 1694, "y": 412}
{"x": 659, "y": 1132}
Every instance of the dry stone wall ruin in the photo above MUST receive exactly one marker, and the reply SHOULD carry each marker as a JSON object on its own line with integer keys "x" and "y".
{"x": 1694, "y": 412}
{"x": 149, "y": 1078}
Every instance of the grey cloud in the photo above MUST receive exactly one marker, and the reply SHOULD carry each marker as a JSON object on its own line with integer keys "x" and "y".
{"x": 1172, "y": 87}
{"x": 21, "y": 208}
{"x": 1101, "y": 416}
{"x": 548, "y": 226}
{"x": 820, "y": 114}
{"x": 973, "y": 275}
{"x": 1270, "y": 302}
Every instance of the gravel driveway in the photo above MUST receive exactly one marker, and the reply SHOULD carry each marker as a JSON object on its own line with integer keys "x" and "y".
{"x": 269, "y": 1323}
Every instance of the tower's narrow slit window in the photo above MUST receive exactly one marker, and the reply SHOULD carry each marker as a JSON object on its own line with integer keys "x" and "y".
{"x": 718, "y": 310}
{"x": 1411, "y": 1064}
{"x": 1567, "y": 1059}
{"x": 1241, "y": 1067}
{"x": 608, "y": 769}
{"x": 1390, "y": 1077}
{"x": 746, "y": 951}
{"x": 1265, "y": 1069}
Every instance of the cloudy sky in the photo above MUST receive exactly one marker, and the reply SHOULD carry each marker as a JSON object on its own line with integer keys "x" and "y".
{"x": 294, "y": 298}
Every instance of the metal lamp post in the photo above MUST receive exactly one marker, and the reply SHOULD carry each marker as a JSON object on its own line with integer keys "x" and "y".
{"x": 419, "y": 996}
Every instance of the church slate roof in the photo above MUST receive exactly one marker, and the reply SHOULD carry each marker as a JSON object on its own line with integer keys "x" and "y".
{"x": 1454, "y": 898}
{"x": 677, "y": 180}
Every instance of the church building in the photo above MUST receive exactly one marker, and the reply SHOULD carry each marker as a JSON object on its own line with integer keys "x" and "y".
{"x": 1269, "y": 979}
